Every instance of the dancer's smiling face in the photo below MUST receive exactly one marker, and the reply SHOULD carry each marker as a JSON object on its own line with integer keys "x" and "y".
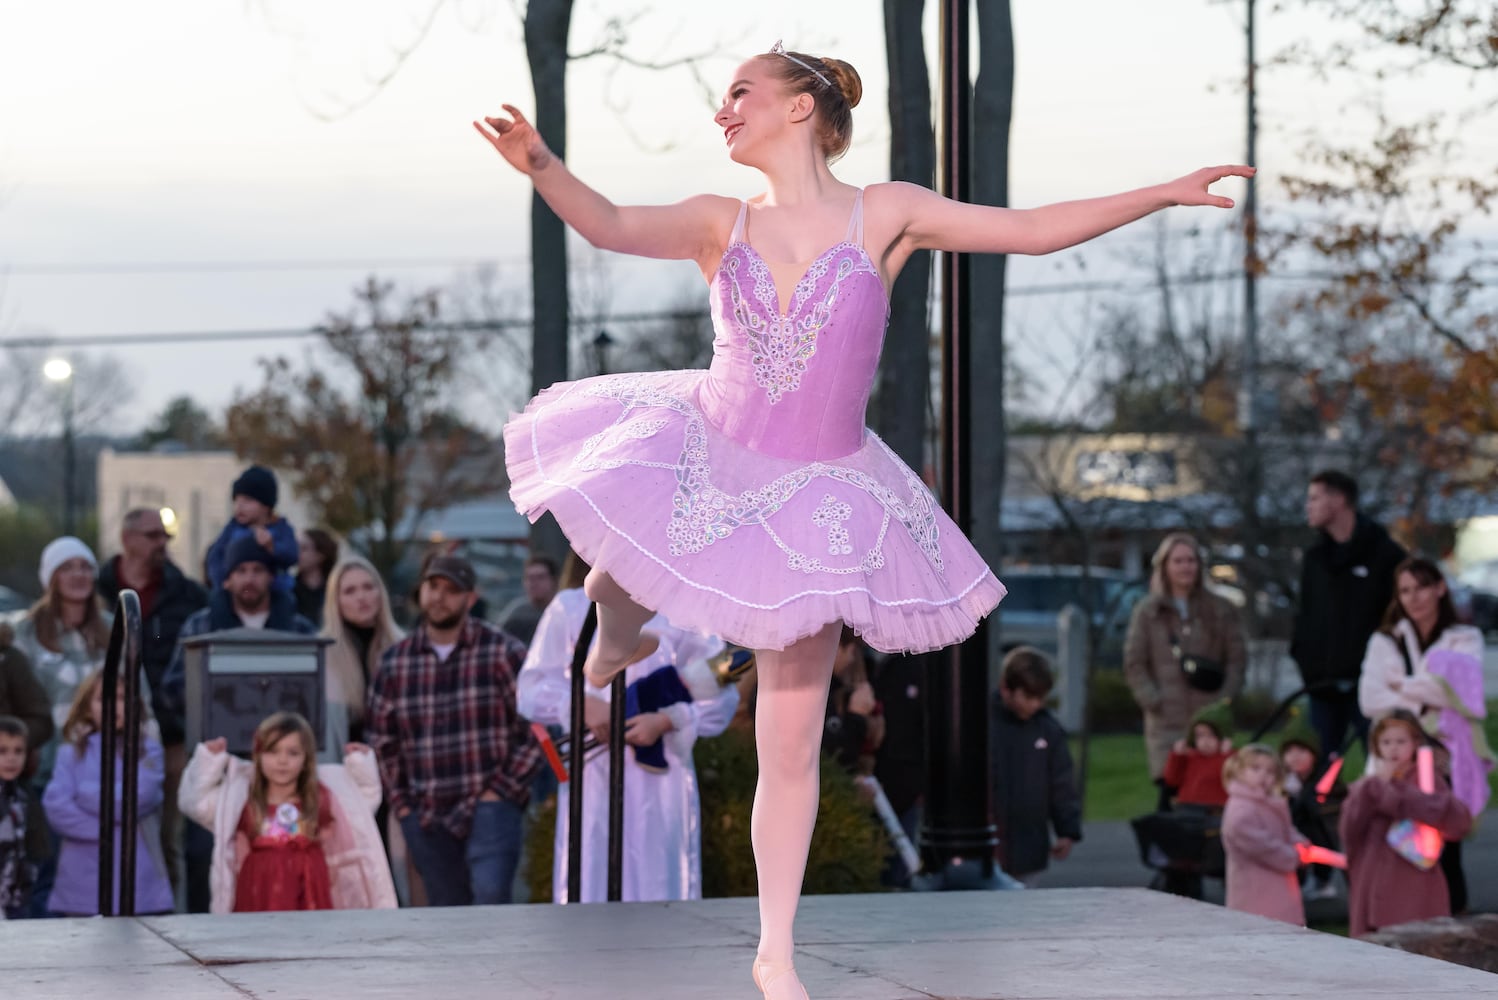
{"x": 757, "y": 111}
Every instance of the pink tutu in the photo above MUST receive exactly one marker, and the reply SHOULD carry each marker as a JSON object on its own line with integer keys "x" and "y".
{"x": 749, "y": 500}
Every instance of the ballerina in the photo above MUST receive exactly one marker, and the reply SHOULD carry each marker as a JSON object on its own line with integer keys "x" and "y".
{"x": 749, "y": 500}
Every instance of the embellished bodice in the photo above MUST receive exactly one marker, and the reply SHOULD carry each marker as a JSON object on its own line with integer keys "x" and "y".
{"x": 793, "y": 379}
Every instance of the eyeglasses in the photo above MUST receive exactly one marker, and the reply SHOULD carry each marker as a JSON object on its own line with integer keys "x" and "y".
{"x": 156, "y": 535}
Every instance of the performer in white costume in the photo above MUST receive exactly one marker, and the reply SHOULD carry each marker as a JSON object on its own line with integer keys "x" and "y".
{"x": 662, "y": 815}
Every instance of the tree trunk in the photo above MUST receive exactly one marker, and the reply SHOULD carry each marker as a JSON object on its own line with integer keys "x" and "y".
{"x": 993, "y": 104}
{"x": 546, "y": 28}
{"x": 900, "y": 404}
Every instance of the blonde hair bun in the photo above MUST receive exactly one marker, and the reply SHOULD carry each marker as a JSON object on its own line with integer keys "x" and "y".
{"x": 846, "y": 78}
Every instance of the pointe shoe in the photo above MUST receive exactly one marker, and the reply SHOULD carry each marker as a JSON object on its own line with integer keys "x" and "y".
{"x": 778, "y": 982}
{"x": 599, "y": 674}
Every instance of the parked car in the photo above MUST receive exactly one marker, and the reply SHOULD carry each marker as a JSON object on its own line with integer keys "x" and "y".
{"x": 1027, "y": 615}
{"x": 1480, "y": 583}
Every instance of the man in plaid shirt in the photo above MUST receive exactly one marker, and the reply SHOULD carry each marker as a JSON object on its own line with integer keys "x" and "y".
{"x": 455, "y": 756}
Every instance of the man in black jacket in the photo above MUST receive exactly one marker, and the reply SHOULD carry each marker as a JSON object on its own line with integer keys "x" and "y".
{"x": 1346, "y": 584}
{"x": 1034, "y": 784}
{"x": 167, "y": 599}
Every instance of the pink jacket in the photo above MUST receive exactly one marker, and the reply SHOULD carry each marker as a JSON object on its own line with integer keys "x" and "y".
{"x": 1384, "y": 888}
{"x": 215, "y": 787}
{"x": 1262, "y": 859}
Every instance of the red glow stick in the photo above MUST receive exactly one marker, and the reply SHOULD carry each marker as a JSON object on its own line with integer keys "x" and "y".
{"x": 1310, "y": 854}
{"x": 550, "y": 749}
{"x": 1329, "y": 779}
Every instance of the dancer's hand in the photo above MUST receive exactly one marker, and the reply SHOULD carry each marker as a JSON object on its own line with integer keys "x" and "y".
{"x": 516, "y": 140}
{"x": 1193, "y": 188}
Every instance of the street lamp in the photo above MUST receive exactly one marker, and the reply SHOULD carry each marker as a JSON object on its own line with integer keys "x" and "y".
{"x": 60, "y": 371}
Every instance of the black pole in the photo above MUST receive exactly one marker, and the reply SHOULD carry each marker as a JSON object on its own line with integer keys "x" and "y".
{"x": 122, "y": 660}
{"x": 958, "y": 839}
{"x": 576, "y": 761}
{"x": 616, "y": 788}
{"x": 69, "y": 474}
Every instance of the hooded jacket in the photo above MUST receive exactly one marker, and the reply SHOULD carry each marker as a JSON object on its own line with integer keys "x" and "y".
{"x": 1262, "y": 857}
{"x": 1344, "y": 591}
{"x": 1034, "y": 787}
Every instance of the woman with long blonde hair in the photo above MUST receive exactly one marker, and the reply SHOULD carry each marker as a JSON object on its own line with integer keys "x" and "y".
{"x": 66, "y": 633}
{"x": 357, "y": 617}
{"x": 1184, "y": 649}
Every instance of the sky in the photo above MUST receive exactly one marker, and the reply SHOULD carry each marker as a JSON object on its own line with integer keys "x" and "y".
{"x": 227, "y": 165}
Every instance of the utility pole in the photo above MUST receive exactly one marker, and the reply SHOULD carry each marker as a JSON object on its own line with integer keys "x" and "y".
{"x": 1249, "y": 418}
{"x": 1249, "y": 386}
{"x": 958, "y": 837}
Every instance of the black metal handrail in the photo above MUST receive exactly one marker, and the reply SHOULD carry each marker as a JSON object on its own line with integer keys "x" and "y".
{"x": 576, "y": 760}
{"x": 123, "y": 658}
{"x": 576, "y": 763}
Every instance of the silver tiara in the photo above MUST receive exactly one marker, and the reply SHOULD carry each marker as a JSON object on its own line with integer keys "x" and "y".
{"x": 779, "y": 50}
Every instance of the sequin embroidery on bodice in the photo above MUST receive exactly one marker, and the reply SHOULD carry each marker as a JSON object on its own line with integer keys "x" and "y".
{"x": 795, "y": 383}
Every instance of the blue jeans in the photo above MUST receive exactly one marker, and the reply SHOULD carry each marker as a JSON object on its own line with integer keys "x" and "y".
{"x": 479, "y": 870}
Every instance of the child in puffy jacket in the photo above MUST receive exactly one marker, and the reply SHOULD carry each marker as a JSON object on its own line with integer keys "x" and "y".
{"x": 1384, "y": 888}
{"x": 72, "y": 804}
{"x": 1263, "y": 847}
{"x": 289, "y": 834}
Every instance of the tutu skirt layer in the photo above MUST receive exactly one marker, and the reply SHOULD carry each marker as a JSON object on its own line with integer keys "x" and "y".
{"x": 724, "y": 539}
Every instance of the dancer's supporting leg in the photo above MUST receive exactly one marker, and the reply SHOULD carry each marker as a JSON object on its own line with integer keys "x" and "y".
{"x": 619, "y": 622}
{"x": 790, "y": 710}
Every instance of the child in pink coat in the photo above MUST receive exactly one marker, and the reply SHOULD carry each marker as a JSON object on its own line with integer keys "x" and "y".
{"x": 1263, "y": 847}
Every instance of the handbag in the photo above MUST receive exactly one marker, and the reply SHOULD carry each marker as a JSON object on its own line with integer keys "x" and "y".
{"x": 1201, "y": 672}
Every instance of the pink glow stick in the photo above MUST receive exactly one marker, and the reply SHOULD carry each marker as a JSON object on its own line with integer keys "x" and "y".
{"x": 1310, "y": 854}
{"x": 1329, "y": 779}
{"x": 1425, "y": 768}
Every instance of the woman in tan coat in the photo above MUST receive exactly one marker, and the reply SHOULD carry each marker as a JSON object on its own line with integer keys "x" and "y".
{"x": 1184, "y": 648}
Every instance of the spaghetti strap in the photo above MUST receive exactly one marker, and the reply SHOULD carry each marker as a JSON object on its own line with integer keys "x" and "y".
{"x": 737, "y": 236}
{"x": 855, "y": 223}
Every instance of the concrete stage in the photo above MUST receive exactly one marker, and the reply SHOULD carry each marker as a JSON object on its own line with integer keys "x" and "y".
{"x": 1056, "y": 944}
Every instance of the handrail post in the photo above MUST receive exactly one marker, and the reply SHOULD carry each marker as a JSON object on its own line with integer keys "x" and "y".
{"x": 576, "y": 761}
{"x": 123, "y": 656}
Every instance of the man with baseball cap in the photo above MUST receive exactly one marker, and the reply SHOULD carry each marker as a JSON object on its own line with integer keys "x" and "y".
{"x": 247, "y": 599}
{"x": 455, "y": 755}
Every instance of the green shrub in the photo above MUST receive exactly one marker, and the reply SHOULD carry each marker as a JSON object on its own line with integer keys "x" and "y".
{"x": 1252, "y": 709}
{"x": 1112, "y": 704}
{"x": 848, "y": 846}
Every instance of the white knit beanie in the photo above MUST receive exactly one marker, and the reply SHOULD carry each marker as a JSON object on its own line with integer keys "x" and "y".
{"x": 59, "y": 551}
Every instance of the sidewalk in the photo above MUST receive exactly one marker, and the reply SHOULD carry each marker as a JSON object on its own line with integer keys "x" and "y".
{"x": 1108, "y": 856}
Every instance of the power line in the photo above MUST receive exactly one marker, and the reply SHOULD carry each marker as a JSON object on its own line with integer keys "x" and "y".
{"x": 58, "y": 269}
{"x": 524, "y": 322}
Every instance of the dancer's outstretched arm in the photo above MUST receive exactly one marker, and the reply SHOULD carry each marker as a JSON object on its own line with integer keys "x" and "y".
{"x": 927, "y": 221}
{"x": 687, "y": 230}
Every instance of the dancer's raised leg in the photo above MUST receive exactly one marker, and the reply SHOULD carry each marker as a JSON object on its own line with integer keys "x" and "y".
{"x": 620, "y": 619}
{"x": 790, "y": 710}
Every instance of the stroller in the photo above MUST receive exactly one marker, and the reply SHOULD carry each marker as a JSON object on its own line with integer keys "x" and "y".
{"x": 1184, "y": 845}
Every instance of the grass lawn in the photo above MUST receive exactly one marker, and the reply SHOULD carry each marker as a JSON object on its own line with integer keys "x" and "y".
{"x": 1118, "y": 785}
